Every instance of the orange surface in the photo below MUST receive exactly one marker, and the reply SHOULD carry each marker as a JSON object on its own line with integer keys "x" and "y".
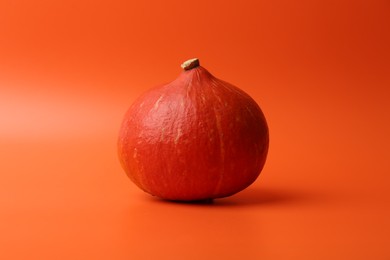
{"x": 319, "y": 69}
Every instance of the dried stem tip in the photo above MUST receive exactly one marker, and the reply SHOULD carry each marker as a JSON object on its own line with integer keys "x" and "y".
{"x": 190, "y": 64}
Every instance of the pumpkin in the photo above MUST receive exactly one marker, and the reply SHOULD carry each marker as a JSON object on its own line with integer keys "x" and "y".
{"x": 195, "y": 138}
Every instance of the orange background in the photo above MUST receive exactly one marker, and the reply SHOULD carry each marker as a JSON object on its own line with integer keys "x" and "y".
{"x": 320, "y": 70}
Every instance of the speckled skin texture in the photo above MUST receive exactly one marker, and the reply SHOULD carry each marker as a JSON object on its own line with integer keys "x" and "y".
{"x": 195, "y": 138}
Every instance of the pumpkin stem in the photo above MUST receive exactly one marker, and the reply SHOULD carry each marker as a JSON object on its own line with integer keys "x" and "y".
{"x": 190, "y": 64}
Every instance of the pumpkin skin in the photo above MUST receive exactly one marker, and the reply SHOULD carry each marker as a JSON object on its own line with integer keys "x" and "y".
{"x": 195, "y": 138}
